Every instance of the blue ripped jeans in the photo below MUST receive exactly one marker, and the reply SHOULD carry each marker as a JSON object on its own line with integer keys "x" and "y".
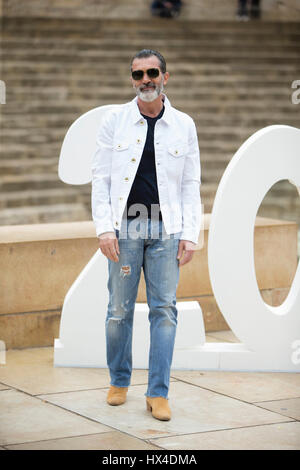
{"x": 158, "y": 258}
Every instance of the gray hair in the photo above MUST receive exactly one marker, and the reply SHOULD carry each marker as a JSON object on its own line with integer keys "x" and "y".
{"x": 144, "y": 53}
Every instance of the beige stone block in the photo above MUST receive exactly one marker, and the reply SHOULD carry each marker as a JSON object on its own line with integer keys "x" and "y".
{"x": 212, "y": 317}
{"x": 30, "y": 329}
{"x": 275, "y": 257}
{"x": 39, "y": 263}
{"x": 113, "y": 440}
{"x": 193, "y": 410}
{"x": 193, "y": 277}
{"x": 275, "y": 252}
{"x": 283, "y": 436}
{"x": 26, "y": 419}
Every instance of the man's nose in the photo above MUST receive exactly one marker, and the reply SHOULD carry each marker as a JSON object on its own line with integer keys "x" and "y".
{"x": 146, "y": 79}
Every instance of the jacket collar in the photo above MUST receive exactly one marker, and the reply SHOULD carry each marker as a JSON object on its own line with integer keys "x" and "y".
{"x": 136, "y": 115}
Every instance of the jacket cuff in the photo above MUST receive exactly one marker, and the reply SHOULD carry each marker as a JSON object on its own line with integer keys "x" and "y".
{"x": 190, "y": 236}
{"x": 103, "y": 229}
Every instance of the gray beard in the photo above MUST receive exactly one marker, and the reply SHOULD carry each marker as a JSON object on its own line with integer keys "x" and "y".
{"x": 150, "y": 96}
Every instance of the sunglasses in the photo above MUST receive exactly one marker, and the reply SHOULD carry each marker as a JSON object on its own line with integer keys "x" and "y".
{"x": 138, "y": 74}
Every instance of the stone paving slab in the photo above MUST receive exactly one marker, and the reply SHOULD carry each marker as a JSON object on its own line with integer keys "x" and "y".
{"x": 290, "y": 407}
{"x": 24, "y": 366}
{"x": 283, "y": 436}
{"x": 42, "y": 407}
{"x": 25, "y": 418}
{"x": 193, "y": 410}
{"x": 248, "y": 386}
{"x": 113, "y": 440}
{"x": 3, "y": 387}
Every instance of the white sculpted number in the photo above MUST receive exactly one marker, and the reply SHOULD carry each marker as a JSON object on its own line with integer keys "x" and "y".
{"x": 267, "y": 333}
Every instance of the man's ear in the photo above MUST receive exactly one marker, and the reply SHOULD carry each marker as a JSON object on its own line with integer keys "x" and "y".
{"x": 166, "y": 77}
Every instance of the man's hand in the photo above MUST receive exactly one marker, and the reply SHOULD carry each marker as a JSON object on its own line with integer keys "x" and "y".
{"x": 185, "y": 248}
{"x": 109, "y": 245}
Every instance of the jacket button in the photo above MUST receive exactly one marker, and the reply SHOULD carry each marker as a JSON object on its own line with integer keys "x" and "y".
{"x": 126, "y": 179}
{"x": 138, "y": 141}
{"x": 141, "y": 122}
{"x": 117, "y": 223}
{"x": 133, "y": 160}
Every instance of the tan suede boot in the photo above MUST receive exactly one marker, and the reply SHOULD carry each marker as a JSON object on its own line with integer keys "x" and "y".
{"x": 116, "y": 395}
{"x": 159, "y": 407}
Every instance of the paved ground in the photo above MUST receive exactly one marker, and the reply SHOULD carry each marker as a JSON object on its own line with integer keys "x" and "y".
{"x": 42, "y": 407}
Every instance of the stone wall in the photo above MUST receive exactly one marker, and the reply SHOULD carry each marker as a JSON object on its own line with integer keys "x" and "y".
{"x": 272, "y": 10}
{"x": 39, "y": 263}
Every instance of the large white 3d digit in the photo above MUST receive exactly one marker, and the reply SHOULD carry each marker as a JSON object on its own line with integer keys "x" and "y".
{"x": 270, "y": 155}
{"x": 79, "y": 146}
{"x": 81, "y": 341}
{"x": 269, "y": 335}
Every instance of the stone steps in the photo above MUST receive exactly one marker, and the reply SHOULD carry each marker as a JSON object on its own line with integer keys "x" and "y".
{"x": 37, "y": 188}
{"x": 226, "y": 133}
{"x": 112, "y": 51}
{"x": 140, "y": 10}
{"x": 33, "y": 165}
{"x": 200, "y": 40}
{"x": 228, "y": 84}
{"x": 44, "y": 214}
{"x": 43, "y": 27}
{"x": 72, "y": 204}
{"x": 51, "y": 121}
{"x": 111, "y": 70}
{"x": 29, "y": 151}
{"x": 43, "y": 197}
{"x": 44, "y": 171}
{"x": 223, "y": 106}
{"x": 58, "y": 69}
{"x": 209, "y": 93}
{"x": 265, "y": 57}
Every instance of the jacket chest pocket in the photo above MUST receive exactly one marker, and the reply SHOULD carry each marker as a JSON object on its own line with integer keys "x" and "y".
{"x": 177, "y": 150}
{"x": 120, "y": 147}
{"x": 176, "y": 158}
{"x": 120, "y": 155}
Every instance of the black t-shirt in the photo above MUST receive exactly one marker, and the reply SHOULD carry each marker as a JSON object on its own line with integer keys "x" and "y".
{"x": 144, "y": 188}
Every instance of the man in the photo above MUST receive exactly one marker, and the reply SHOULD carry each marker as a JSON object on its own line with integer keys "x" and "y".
{"x": 166, "y": 8}
{"x": 146, "y": 208}
{"x": 243, "y": 13}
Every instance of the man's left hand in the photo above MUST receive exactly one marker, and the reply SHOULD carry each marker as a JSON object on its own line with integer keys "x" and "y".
{"x": 185, "y": 253}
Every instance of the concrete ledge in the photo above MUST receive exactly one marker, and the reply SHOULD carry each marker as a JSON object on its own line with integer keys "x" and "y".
{"x": 39, "y": 263}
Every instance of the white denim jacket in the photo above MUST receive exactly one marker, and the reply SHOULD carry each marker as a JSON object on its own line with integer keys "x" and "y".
{"x": 120, "y": 144}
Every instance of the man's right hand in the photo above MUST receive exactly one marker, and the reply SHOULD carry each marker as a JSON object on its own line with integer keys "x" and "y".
{"x": 109, "y": 245}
